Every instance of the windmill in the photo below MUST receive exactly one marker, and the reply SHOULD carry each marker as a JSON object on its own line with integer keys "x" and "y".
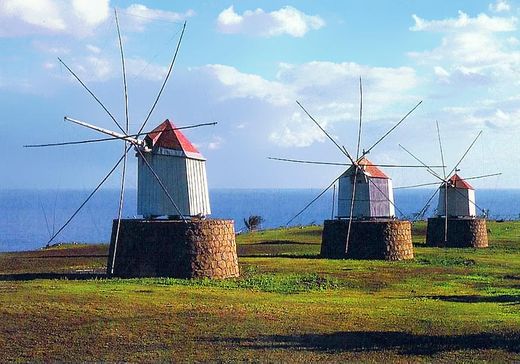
{"x": 456, "y": 222}
{"x": 365, "y": 226}
{"x": 172, "y": 183}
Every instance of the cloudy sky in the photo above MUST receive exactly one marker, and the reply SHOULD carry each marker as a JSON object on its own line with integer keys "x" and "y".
{"x": 244, "y": 64}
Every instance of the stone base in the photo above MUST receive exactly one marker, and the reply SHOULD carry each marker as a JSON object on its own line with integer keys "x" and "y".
{"x": 371, "y": 239}
{"x": 462, "y": 233}
{"x": 172, "y": 248}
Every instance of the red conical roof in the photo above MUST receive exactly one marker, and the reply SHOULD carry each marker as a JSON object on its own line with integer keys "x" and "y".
{"x": 369, "y": 169}
{"x": 167, "y": 136}
{"x": 458, "y": 182}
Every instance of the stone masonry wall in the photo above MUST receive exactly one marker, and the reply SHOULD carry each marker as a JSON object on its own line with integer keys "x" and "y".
{"x": 171, "y": 248}
{"x": 372, "y": 239}
{"x": 462, "y": 233}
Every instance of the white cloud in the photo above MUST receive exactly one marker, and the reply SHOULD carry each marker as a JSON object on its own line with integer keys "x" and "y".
{"x": 96, "y": 68}
{"x": 470, "y": 49}
{"x": 35, "y": 14}
{"x": 244, "y": 85}
{"x": 25, "y": 17}
{"x": 473, "y": 52}
{"x": 93, "y": 48}
{"x": 481, "y": 22}
{"x": 440, "y": 72}
{"x": 139, "y": 67}
{"x": 91, "y": 12}
{"x": 50, "y": 48}
{"x": 475, "y": 55}
{"x": 216, "y": 143}
{"x": 287, "y": 20}
{"x": 328, "y": 90}
{"x": 293, "y": 134}
{"x": 79, "y": 18}
{"x": 142, "y": 15}
{"x": 100, "y": 68}
{"x": 325, "y": 80}
{"x": 500, "y": 6}
{"x": 493, "y": 114}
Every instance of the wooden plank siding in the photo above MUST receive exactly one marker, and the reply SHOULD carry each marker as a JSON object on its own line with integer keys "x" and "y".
{"x": 185, "y": 180}
{"x": 461, "y": 202}
{"x": 371, "y": 199}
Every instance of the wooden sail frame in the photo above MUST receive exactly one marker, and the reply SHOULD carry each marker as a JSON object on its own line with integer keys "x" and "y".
{"x": 444, "y": 179}
{"x": 129, "y": 140}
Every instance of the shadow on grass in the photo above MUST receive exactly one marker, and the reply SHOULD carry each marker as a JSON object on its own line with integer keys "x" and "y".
{"x": 512, "y": 299}
{"x": 281, "y": 255}
{"x": 57, "y": 256}
{"x": 360, "y": 341}
{"x": 69, "y": 276}
{"x": 282, "y": 242}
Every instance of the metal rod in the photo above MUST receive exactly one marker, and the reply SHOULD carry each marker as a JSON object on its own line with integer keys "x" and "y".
{"x": 385, "y": 196}
{"x": 87, "y": 199}
{"x": 445, "y": 213}
{"x": 465, "y": 153}
{"x": 392, "y": 129}
{"x": 440, "y": 148}
{"x": 423, "y": 210}
{"x": 353, "y": 197}
{"x": 163, "y": 187}
{"x": 344, "y": 151}
{"x": 120, "y": 209}
{"x": 351, "y": 209}
{"x": 308, "y": 162}
{"x": 424, "y": 164}
{"x": 92, "y": 94}
{"x": 417, "y": 185}
{"x": 165, "y": 79}
{"x": 333, "y": 200}
{"x": 467, "y": 198}
{"x": 348, "y": 165}
{"x": 110, "y": 138}
{"x": 314, "y": 200}
{"x": 360, "y": 117}
{"x": 44, "y": 216}
{"x": 445, "y": 185}
{"x": 123, "y": 69}
{"x": 106, "y": 131}
{"x": 127, "y": 126}
{"x": 436, "y": 183}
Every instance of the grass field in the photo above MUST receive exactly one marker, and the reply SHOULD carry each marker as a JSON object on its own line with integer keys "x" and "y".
{"x": 447, "y": 305}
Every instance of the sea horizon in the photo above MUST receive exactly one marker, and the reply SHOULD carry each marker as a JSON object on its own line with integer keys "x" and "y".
{"x": 29, "y": 217}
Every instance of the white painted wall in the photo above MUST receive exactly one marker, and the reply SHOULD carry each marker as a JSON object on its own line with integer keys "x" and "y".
{"x": 461, "y": 202}
{"x": 369, "y": 201}
{"x": 184, "y": 178}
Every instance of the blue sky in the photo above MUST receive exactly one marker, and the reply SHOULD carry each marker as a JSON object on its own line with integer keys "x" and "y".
{"x": 244, "y": 64}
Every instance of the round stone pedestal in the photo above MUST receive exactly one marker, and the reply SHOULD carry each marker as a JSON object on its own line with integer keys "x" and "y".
{"x": 173, "y": 248}
{"x": 462, "y": 233}
{"x": 370, "y": 239}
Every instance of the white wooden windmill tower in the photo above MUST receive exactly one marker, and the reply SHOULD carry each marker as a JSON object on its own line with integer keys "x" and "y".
{"x": 365, "y": 226}
{"x": 181, "y": 168}
{"x": 172, "y": 183}
{"x": 455, "y": 223}
{"x": 374, "y": 195}
{"x": 457, "y": 200}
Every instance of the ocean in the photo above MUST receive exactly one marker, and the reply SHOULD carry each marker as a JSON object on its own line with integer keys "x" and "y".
{"x": 29, "y": 217}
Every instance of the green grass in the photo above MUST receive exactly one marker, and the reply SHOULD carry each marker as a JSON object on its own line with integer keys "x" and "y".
{"x": 447, "y": 305}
